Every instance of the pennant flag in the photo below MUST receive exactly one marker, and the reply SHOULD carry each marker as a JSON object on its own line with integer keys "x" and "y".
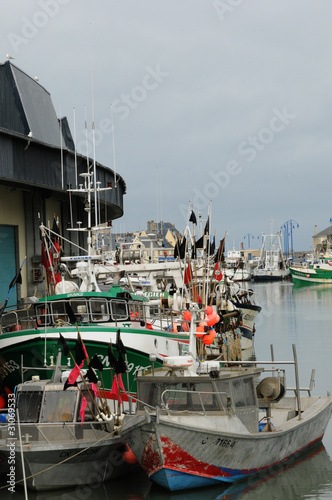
{"x": 95, "y": 390}
{"x": 91, "y": 376}
{"x": 213, "y": 246}
{"x": 80, "y": 352}
{"x": 16, "y": 279}
{"x": 217, "y": 273}
{"x": 219, "y": 257}
{"x": 70, "y": 313}
{"x": 120, "y": 383}
{"x": 192, "y": 218}
{"x": 182, "y": 249}
{"x": 111, "y": 358}
{"x": 177, "y": 248}
{"x": 119, "y": 345}
{"x": 64, "y": 345}
{"x": 207, "y": 227}
{"x": 187, "y": 275}
{"x": 196, "y": 296}
{"x": 96, "y": 363}
{"x": 200, "y": 242}
{"x": 84, "y": 404}
{"x": 44, "y": 259}
{"x": 121, "y": 366}
{"x": 73, "y": 376}
{"x": 115, "y": 389}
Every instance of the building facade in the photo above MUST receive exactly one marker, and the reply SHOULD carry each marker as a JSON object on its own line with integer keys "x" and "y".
{"x": 38, "y": 163}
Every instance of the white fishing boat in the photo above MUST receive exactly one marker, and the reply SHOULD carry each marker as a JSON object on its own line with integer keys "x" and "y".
{"x": 203, "y": 423}
{"x": 272, "y": 264}
{"x": 54, "y": 441}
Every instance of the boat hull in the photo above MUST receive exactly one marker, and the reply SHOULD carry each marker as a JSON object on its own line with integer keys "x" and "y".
{"x": 34, "y": 347}
{"x": 179, "y": 455}
{"x": 302, "y": 275}
{"x": 66, "y": 464}
{"x": 267, "y": 275}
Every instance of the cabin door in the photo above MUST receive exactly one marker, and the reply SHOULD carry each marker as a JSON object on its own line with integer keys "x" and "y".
{"x": 8, "y": 263}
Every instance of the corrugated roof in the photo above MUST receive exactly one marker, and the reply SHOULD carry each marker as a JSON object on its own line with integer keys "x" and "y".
{"x": 38, "y": 108}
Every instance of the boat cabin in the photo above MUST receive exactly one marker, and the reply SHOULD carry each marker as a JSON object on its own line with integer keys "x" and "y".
{"x": 230, "y": 392}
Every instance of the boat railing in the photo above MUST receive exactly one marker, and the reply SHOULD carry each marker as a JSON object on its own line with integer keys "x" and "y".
{"x": 18, "y": 319}
{"x": 51, "y": 433}
{"x": 188, "y": 405}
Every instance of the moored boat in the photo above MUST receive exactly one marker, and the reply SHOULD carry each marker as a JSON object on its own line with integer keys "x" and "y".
{"x": 314, "y": 271}
{"x": 59, "y": 438}
{"x": 206, "y": 423}
{"x": 272, "y": 264}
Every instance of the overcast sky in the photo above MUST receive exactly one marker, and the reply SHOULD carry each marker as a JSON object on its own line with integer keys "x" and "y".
{"x": 225, "y": 104}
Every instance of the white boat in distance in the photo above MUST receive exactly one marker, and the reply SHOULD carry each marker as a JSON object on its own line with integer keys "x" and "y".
{"x": 272, "y": 264}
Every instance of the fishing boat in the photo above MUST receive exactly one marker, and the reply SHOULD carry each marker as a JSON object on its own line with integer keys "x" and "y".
{"x": 54, "y": 438}
{"x": 272, "y": 264}
{"x": 316, "y": 270}
{"x": 235, "y": 266}
{"x": 33, "y": 329}
{"x": 202, "y": 423}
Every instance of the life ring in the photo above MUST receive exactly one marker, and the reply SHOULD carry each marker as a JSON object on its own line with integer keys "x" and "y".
{"x": 329, "y": 262}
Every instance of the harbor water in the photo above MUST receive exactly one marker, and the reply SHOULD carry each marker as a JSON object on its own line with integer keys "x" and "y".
{"x": 290, "y": 315}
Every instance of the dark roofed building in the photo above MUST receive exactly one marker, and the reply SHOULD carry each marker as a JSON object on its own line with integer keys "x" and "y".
{"x": 37, "y": 164}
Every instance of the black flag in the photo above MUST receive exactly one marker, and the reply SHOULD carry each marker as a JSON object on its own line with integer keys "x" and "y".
{"x": 91, "y": 376}
{"x": 80, "y": 352}
{"x": 119, "y": 345}
{"x": 192, "y": 217}
{"x": 182, "y": 251}
{"x": 96, "y": 363}
{"x": 121, "y": 366}
{"x": 64, "y": 345}
{"x": 111, "y": 358}
{"x": 207, "y": 227}
{"x": 70, "y": 313}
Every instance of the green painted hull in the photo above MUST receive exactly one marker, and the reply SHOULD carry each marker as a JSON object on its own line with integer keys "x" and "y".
{"x": 311, "y": 274}
{"x": 31, "y": 348}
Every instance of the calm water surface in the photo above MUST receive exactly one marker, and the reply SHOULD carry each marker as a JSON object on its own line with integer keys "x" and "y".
{"x": 290, "y": 315}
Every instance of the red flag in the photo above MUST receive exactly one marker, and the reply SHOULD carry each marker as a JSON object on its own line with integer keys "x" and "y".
{"x": 115, "y": 389}
{"x": 94, "y": 388}
{"x": 73, "y": 375}
{"x": 44, "y": 256}
{"x": 187, "y": 275}
{"x": 84, "y": 404}
{"x": 196, "y": 297}
{"x": 217, "y": 273}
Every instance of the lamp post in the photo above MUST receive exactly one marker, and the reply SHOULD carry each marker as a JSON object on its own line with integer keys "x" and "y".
{"x": 249, "y": 235}
{"x": 287, "y": 228}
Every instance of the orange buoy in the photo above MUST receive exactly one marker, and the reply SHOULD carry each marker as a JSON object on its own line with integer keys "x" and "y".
{"x": 128, "y": 456}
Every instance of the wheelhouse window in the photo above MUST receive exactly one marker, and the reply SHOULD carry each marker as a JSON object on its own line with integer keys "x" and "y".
{"x": 28, "y": 404}
{"x": 119, "y": 310}
{"x": 43, "y": 315}
{"x": 182, "y": 396}
{"x": 59, "y": 406}
{"x": 99, "y": 310}
{"x": 80, "y": 309}
{"x": 59, "y": 312}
